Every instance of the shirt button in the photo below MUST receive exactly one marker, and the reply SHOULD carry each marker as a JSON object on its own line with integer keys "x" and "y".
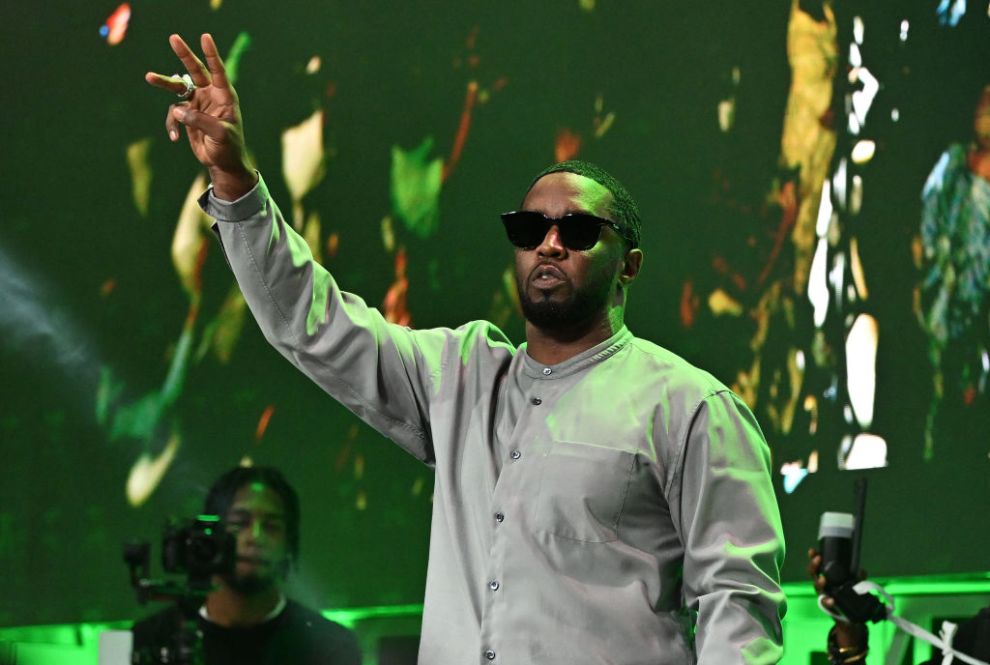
{"x": 515, "y": 454}
{"x": 499, "y": 517}
{"x": 493, "y": 585}
{"x": 490, "y": 655}
{"x": 547, "y": 371}
{"x": 536, "y": 401}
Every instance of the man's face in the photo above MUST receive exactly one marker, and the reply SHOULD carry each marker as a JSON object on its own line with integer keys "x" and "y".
{"x": 257, "y": 519}
{"x": 560, "y": 288}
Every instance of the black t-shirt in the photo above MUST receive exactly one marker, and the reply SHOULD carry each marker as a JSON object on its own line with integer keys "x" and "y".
{"x": 297, "y": 636}
{"x": 972, "y": 639}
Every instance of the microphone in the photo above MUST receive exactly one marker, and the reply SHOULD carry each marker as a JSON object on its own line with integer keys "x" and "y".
{"x": 835, "y": 541}
{"x": 838, "y": 543}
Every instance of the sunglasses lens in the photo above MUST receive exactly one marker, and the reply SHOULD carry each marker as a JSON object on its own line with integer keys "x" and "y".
{"x": 580, "y": 231}
{"x": 525, "y": 229}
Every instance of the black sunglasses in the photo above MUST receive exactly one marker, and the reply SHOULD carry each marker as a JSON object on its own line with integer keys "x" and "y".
{"x": 578, "y": 230}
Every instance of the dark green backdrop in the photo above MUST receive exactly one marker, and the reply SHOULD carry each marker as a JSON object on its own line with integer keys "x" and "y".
{"x": 88, "y": 288}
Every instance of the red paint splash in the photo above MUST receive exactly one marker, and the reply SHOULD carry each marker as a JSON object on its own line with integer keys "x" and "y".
{"x": 788, "y": 217}
{"x": 689, "y": 304}
{"x": 394, "y": 307}
{"x": 115, "y": 29}
{"x": 462, "y": 130}
{"x": 566, "y": 145}
{"x": 266, "y": 417}
{"x": 333, "y": 244}
{"x": 723, "y": 268}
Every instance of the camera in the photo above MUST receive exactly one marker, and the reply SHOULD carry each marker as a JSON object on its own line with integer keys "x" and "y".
{"x": 198, "y": 548}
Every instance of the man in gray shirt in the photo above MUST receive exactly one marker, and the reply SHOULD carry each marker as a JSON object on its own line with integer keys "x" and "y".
{"x": 597, "y": 498}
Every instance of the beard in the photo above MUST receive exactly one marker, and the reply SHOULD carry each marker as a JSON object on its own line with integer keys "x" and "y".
{"x": 249, "y": 585}
{"x": 570, "y": 313}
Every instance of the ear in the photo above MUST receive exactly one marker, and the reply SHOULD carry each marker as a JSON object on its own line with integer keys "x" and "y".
{"x": 631, "y": 264}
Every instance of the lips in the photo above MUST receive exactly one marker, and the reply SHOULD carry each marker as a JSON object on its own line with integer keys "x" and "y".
{"x": 547, "y": 276}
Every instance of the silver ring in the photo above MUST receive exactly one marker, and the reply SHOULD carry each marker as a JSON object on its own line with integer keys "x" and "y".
{"x": 190, "y": 86}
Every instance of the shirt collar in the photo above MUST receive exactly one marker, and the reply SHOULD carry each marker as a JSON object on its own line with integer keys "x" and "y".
{"x": 595, "y": 354}
{"x": 279, "y": 606}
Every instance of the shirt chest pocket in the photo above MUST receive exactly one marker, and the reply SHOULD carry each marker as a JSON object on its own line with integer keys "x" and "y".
{"x": 582, "y": 491}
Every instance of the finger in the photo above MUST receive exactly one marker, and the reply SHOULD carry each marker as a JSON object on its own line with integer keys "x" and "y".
{"x": 213, "y": 60}
{"x": 171, "y": 83}
{"x": 204, "y": 122}
{"x": 197, "y": 70}
{"x": 172, "y": 123}
{"x": 814, "y": 564}
{"x": 828, "y": 602}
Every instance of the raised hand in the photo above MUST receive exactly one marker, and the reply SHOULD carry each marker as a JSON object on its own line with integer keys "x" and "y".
{"x": 211, "y": 116}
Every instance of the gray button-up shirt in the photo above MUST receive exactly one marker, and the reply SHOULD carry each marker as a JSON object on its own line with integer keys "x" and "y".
{"x": 614, "y": 508}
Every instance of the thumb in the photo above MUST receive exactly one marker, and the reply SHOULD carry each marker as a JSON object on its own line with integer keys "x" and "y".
{"x": 204, "y": 122}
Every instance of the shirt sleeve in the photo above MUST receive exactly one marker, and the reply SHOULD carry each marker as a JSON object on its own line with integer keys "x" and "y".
{"x": 385, "y": 373}
{"x": 733, "y": 540}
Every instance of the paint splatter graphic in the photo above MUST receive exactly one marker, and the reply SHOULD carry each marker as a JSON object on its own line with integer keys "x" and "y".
{"x": 416, "y": 181}
{"x": 115, "y": 28}
{"x": 566, "y": 145}
{"x": 263, "y": 422}
{"x": 394, "y": 307}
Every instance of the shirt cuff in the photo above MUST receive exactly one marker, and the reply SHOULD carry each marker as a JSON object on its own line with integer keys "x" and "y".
{"x": 243, "y": 208}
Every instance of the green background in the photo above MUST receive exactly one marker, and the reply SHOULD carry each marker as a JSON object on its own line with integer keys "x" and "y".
{"x": 398, "y": 71}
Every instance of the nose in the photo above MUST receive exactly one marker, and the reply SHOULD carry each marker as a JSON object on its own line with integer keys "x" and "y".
{"x": 253, "y": 531}
{"x": 552, "y": 245}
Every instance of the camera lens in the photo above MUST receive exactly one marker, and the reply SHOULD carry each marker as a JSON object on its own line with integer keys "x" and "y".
{"x": 202, "y": 551}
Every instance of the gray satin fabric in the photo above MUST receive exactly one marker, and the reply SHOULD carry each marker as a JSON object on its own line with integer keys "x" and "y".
{"x": 581, "y": 514}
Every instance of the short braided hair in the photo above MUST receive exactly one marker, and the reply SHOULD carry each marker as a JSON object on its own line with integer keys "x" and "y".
{"x": 623, "y": 206}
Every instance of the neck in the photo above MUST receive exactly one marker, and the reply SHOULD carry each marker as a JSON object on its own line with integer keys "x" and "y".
{"x": 229, "y": 608}
{"x": 552, "y": 346}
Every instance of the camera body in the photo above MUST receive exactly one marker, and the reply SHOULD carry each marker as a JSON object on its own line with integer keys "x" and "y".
{"x": 198, "y": 548}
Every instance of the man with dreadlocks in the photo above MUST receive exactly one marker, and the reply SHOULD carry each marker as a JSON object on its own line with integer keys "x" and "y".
{"x": 597, "y": 498}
